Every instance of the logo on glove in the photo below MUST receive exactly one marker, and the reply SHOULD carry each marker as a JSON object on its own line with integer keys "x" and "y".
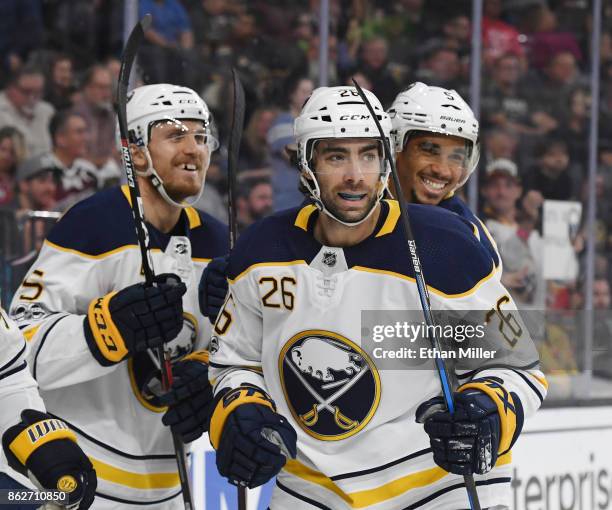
{"x": 67, "y": 483}
{"x": 331, "y": 386}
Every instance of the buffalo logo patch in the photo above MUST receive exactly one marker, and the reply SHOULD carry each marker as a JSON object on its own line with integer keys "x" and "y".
{"x": 330, "y": 384}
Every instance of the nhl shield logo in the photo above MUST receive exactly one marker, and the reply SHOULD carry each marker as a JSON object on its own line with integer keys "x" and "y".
{"x": 330, "y": 258}
{"x": 331, "y": 386}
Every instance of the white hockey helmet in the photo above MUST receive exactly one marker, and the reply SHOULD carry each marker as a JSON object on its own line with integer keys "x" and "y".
{"x": 437, "y": 110}
{"x": 150, "y": 104}
{"x": 337, "y": 112}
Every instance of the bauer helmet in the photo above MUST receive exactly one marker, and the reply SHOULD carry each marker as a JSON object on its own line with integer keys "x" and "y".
{"x": 331, "y": 113}
{"x": 436, "y": 110}
{"x": 150, "y": 104}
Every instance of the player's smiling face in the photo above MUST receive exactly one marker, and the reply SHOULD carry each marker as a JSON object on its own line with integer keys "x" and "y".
{"x": 431, "y": 165}
{"x": 348, "y": 172}
{"x": 180, "y": 156}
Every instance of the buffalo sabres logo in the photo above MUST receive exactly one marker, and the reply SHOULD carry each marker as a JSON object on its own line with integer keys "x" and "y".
{"x": 329, "y": 258}
{"x": 331, "y": 386}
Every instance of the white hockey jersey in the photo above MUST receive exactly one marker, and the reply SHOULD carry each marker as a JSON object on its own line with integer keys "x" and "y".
{"x": 114, "y": 410}
{"x": 18, "y": 390}
{"x": 292, "y": 324}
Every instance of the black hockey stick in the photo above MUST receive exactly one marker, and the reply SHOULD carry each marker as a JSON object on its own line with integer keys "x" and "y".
{"x": 127, "y": 60}
{"x": 232, "y": 154}
{"x": 232, "y": 169}
{"x": 445, "y": 378}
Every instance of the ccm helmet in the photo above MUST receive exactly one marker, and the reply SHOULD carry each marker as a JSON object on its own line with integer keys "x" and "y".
{"x": 437, "y": 110}
{"x": 150, "y": 104}
{"x": 337, "y": 112}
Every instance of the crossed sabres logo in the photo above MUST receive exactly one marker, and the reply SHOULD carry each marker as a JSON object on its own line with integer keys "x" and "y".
{"x": 331, "y": 386}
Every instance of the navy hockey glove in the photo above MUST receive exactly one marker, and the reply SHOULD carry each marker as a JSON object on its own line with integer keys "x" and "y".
{"x": 252, "y": 440}
{"x": 213, "y": 288}
{"x": 135, "y": 319}
{"x": 45, "y": 447}
{"x": 468, "y": 441}
{"x": 190, "y": 400}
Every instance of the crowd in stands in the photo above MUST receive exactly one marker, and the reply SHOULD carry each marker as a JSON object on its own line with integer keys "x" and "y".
{"x": 60, "y": 65}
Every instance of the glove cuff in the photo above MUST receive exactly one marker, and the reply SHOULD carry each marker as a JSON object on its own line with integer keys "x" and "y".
{"x": 103, "y": 338}
{"x": 38, "y": 434}
{"x": 229, "y": 400}
{"x": 509, "y": 409}
{"x": 202, "y": 356}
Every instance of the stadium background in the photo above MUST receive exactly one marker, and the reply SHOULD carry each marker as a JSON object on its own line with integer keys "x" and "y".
{"x": 538, "y": 74}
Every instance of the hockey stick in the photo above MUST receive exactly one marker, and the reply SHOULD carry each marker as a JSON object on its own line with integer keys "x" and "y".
{"x": 443, "y": 373}
{"x": 232, "y": 169}
{"x": 127, "y": 60}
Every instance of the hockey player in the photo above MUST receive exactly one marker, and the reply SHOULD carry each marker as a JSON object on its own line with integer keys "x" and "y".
{"x": 292, "y": 375}
{"x": 435, "y": 135}
{"x": 93, "y": 324}
{"x": 53, "y": 458}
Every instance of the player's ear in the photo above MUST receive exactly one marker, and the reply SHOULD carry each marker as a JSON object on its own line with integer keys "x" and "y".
{"x": 138, "y": 157}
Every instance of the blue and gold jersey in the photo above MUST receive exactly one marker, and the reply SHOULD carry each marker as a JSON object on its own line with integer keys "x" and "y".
{"x": 114, "y": 410}
{"x": 292, "y": 325}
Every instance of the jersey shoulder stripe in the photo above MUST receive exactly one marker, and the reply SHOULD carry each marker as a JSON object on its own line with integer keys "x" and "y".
{"x": 454, "y": 261}
{"x": 108, "y": 214}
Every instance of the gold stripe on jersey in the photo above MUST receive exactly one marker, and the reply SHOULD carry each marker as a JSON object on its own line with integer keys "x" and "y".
{"x": 266, "y": 264}
{"x": 541, "y": 380}
{"x": 134, "y": 480}
{"x": 296, "y": 468}
{"x": 30, "y": 332}
{"x": 198, "y": 259}
{"x": 376, "y": 495}
{"x": 192, "y": 214}
{"x": 301, "y": 221}
{"x": 488, "y": 234}
{"x": 391, "y": 219}
{"x": 475, "y": 229}
{"x": 430, "y": 288}
{"x": 95, "y": 257}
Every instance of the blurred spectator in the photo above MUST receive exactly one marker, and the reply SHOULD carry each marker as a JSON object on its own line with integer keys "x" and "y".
{"x": 285, "y": 178}
{"x": 440, "y": 68}
{"x": 518, "y": 242}
{"x": 545, "y": 40}
{"x": 77, "y": 176}
{"x": 574, "y": 126}
{"x": 212, "y": 21}
{"x": 21, "y": 106}
{"x": 312, "y": 61}
{"x": 254, "y": 200}
{"x": 550, "y": 174}
{"x": 254, "y": 151}
{"x": 504, "y": 102}
{"x": 551, "y": 91}
{"x": 167, "y": 55}
{"x": 21, "y": 31}
{"x": 96, "y": 107}
{"x": 60, "y": 88}
{"x": 12, "y": 151}
{"x": 374, "y": 65}
{"x": 499, "y": 38}
{"x": 36, "y": 184}
{"x": 500, "y": 143}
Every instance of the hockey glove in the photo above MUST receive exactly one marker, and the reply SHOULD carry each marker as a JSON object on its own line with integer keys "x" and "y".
{"x": 251, "y": 439}
{"x": 467, "y": 441}
{"x": 135, "y": 319}
{"x": 46, "y": 448}
{"x": 213, "y": 288}
{"x": 190, "y": 401}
